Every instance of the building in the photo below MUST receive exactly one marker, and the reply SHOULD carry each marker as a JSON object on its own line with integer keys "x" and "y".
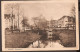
{"x": 12, "y": 23}
{"x": 66, "y": 22}
{"x": 8, "y": 20}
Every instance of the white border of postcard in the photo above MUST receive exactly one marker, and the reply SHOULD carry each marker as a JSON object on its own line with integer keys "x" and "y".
{"x": 39, "y": 49}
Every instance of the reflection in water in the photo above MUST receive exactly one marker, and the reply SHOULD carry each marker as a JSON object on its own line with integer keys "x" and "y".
{"x": 47, "y": 41}
{"x": 46, "y": 44}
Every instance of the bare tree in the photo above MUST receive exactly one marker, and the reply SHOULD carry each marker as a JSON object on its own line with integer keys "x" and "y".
{"x": 18, "y": 9}
{"x": 73, "y": 13}
{"x": 25, "y": 23}
{"x": 35, "y": 20}
{"x": 12, "y": 9}
{"x": 40, "y": 23}
{"x": 43, "y": 23}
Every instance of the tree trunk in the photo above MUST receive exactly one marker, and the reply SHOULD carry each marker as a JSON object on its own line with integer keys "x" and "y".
{"x": 18, "y": 17}
{"x": 12, "y": 26}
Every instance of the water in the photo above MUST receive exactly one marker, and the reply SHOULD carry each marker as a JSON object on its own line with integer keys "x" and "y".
{"x": 48, "y": 40}
{"x": 46, "y": 44}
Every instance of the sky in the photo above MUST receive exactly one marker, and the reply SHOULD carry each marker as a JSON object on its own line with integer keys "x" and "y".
{"x": 48, "y": 10}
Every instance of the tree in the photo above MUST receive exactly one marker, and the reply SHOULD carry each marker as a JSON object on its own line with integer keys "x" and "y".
{"x": 35, "y": 20}
{"x": 25, "y": 23}
{"x": 18, "y": 8}
{"x": 12, "y": 9}
{"x": 40, "y": 23}
{"x": 73, "y": 13}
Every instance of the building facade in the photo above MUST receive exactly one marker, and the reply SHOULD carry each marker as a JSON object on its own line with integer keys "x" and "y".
{"x": 8, "y": 21}
{"x": 12, "y": 23}
{"x": 66, "y": 22}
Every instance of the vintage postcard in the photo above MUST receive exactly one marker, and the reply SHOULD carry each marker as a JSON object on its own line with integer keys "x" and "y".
{"x": 40, "y": 25}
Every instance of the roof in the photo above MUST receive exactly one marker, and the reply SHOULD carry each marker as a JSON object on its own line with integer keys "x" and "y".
{"x": 65, "y": 16}
{"x": 7, "y": 16}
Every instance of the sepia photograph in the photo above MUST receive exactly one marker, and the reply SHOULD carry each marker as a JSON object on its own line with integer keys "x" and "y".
{"x": 40, "y": 25}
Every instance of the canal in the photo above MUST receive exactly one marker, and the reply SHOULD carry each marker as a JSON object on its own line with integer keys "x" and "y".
{"x": 47, "y": 40}
{"x": 46, "y": 44}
